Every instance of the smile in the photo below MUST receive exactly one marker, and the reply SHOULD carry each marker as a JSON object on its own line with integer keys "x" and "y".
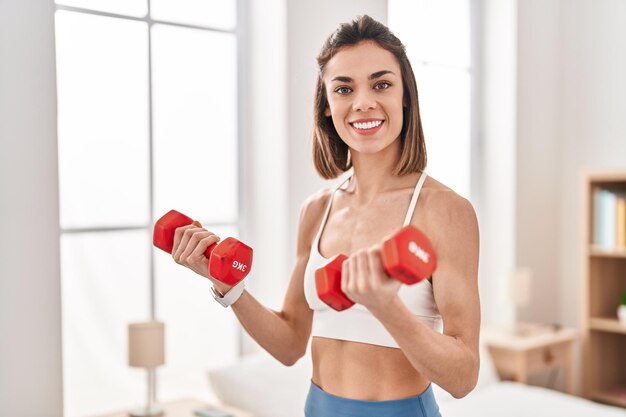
{"x": 367, "y": 127}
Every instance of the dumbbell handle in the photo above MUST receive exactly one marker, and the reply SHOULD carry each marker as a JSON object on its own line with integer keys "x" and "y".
{"x": 229, "y": 260}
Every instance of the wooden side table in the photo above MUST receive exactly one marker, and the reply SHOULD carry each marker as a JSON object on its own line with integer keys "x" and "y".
{"x": 530, "y": 349}
{"x": 183, "y": 408}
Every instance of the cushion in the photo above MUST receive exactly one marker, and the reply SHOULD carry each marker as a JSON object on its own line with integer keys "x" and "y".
{"x": 263, "y": 386}
{"x": 512, "y": 399}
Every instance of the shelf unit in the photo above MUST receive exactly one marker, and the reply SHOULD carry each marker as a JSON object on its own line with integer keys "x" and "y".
{"x": 604, "y": 271}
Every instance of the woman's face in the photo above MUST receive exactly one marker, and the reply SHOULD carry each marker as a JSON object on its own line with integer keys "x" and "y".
{"x": 364, "y": 89}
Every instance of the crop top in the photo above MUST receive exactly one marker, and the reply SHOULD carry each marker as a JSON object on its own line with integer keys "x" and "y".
{"x": 357, "y": 324}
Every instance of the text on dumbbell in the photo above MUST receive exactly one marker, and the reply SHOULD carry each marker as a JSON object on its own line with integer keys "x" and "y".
{"x": 239, "y": 266}
{"x": 419, "y": 252}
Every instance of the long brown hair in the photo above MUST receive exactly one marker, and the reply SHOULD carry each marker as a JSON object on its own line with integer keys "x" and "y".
{"x": 330, "y": 153}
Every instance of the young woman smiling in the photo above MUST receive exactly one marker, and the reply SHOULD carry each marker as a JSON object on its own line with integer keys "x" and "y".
{"x": 379, "y": 357}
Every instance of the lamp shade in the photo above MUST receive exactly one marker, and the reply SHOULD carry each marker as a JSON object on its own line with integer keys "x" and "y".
{"x": 520, "y": 287}
{"x": 146, "y": 344}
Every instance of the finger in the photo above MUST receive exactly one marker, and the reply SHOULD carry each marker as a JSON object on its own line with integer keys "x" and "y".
{"x": 197, "y": 223}
{"x": 192, "y": 246}
{"x": 198, "y": 254}
{"x": 178, "y": 236}
{"x": 376, "y": 265}
{"x": 353, "y": 271}
{"x": 362, "y": 268}
{"x": 375, "y": 260}
{"x": 345, "y": 276}
{"x": 186, "y": 232}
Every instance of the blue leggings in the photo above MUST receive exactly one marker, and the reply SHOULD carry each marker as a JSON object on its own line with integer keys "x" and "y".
{"x": 322, "y": 404}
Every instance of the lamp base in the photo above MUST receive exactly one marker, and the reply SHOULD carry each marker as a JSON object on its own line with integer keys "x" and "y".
{"x": 153, "y": 411}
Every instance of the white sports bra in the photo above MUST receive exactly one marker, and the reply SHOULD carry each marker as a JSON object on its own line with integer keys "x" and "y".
{"x": 357, "y": 324}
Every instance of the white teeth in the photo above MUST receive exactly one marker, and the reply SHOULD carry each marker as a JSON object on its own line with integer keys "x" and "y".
{"x": 368, "y": 125}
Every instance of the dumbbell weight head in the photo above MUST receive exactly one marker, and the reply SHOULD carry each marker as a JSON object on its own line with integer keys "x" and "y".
{"x": 408, "y": 256}
{"x": 328, "y": 284}
{"x": 164, "y": 228}
{"x": 229, "y": 259}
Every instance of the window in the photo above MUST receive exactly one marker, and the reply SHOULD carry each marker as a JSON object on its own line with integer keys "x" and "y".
{"x": 147, "y": 102}
{"x": 436, "y": 34}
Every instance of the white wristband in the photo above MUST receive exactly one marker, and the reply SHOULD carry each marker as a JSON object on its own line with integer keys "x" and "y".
{"x": 231, "y": 296}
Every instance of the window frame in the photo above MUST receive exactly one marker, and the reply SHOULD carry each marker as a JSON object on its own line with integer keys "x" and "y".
{"x": 240, "y": 32}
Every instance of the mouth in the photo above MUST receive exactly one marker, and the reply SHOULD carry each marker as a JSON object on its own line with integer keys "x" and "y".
{"x": 367, "y": 127}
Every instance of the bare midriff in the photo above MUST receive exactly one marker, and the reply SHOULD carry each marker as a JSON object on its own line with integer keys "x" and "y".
{"x": 363, "y": 371}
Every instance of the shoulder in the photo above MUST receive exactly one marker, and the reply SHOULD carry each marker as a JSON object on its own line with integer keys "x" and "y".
{"x": 315, "y": 204}
{"x": 447, "y": 214}
{"x": 444, "y": 205}
{"x": 311, "y": 212}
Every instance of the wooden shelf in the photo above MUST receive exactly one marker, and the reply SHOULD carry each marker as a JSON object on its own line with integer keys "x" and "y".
{"x": 603, "y": 253}
{"x": 607, "y": 325}
{"x": 609, "y": 176}
{"x": 604, "y": 271}
{"x": 615, "y": 396}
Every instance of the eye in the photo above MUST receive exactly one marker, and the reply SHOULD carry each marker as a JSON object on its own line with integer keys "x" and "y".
{"x": 383, "y": 85}
{"x": 342, "y": 90}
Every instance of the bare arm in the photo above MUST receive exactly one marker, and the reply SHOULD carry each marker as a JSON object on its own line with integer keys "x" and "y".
{"x": 283, "y": 334}
{"x": 449, "y": 359}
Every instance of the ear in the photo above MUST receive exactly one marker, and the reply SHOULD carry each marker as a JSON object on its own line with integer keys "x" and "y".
{"x": 327, "y": 111}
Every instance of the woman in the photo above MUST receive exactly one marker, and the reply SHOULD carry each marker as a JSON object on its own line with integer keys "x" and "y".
{"x": 379, "y": 357}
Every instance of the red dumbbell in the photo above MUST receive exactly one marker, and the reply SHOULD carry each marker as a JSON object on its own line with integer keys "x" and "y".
{"x": 229, "y": 260}
{"x": 407, "y": 256}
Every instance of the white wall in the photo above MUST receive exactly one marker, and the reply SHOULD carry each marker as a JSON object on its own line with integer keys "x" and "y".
{"x": 265, "y": 147}
{"x": 538, "y": 155}
{"x": 592, "y": 122}
{"x": 519, "y": 195}
{"x": 497, "y": 138}
{"x": 30, "y": 308}
{"x": 571, "y": 96}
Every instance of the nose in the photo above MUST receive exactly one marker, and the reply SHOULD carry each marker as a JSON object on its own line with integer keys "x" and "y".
{"x": 364, "y": 101}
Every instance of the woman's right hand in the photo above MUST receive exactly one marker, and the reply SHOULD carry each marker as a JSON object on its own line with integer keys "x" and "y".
{"x": 190, "y": 244}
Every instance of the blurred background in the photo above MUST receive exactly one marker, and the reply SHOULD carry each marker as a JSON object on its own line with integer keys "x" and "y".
{"x": 114, "y": 112}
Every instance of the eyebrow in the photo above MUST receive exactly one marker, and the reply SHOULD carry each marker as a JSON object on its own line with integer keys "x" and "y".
{"x": 373, "y": 76}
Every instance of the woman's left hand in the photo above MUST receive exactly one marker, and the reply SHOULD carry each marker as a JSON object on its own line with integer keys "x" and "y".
{"x": 364, "y": 280}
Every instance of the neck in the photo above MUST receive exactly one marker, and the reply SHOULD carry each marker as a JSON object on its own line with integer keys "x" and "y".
{"x": 373, "y": 173}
